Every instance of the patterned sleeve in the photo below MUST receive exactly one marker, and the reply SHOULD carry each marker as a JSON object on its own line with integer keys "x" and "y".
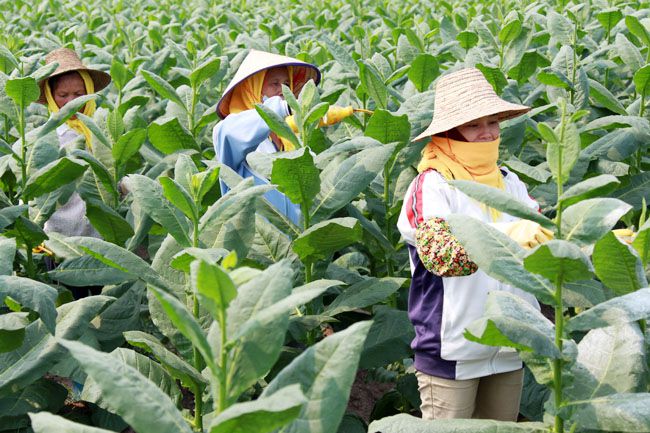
{"x": 440, "y": 251}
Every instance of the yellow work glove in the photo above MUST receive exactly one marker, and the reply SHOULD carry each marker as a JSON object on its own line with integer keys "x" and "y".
{"x": 527, "y": 233}
{"x": 334, "y": 115}
{"x": 624, "y": 235}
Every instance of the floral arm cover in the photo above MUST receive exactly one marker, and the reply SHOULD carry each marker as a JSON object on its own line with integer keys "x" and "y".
{"x": 440, "y": 251}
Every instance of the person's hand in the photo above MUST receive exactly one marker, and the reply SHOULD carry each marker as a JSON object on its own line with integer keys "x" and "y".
{"x": 527, "y": 233}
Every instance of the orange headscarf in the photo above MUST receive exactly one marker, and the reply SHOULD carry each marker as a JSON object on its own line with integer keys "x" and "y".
{"x": 249, "y": 93}
{"x": 461, "y": 160}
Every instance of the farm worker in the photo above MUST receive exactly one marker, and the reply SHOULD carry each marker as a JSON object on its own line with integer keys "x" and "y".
{"x": 458, "y": 378}
{"x": 259, "y": 80}
{"x": 70, "y": 80}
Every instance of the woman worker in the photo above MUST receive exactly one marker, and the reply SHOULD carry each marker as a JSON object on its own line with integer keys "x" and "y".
{"x": 458, "y": 378}
{"x": 259, "y": 80}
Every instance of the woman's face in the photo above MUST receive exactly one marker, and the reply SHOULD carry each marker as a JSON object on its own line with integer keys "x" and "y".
{"x": 273, "y": 81}
{"x": 68, "y": 87}
{"x": 482, "y": 129}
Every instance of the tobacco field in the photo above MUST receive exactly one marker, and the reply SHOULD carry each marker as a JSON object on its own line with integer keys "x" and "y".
{"x": 218, "y": 314}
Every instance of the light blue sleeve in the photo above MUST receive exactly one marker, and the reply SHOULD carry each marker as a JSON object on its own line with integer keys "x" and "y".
{"x": 239, "y": 134}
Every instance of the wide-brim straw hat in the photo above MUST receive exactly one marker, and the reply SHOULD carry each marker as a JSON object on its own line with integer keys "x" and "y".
{"x": 466, "y": 95}
{"x": 257, "y": 61}
{"x": 68, "y": 61}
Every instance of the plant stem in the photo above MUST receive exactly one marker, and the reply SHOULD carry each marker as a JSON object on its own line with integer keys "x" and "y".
{"x": 23, "y": 151}
{"x": 558, "y": 363}
{"x": 389, "y": 265}
{"x": 198, "y": 360}
{"x": 223, "y": 360}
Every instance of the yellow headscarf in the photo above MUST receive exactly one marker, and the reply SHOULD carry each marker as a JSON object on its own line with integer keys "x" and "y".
{"x": 461, "y": 160}
{"x": 248, "y": 93}
{"x": 88, "y": 110}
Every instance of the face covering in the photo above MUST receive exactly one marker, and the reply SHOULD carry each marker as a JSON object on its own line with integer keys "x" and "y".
{"x": 88, "y": 110}
{"x": 249, "y": 93}
{"x": 462, "y": 160}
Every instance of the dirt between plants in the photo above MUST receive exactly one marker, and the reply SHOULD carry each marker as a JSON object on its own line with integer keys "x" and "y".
{"x": 364, "y": 394}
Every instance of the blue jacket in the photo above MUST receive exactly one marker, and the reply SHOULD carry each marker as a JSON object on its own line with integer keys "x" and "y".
{"x": 239, "y": 134}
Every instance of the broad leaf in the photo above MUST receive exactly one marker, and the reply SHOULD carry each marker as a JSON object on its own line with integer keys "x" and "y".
{"x": 618, "y": 266}
{"x": 150, "y": 197}
{"x": 325, "y": 372}
{"x": 589, "y": 188}
{"x": 559, "y": 259}
{"x": 374, "y": 84}
{"x": 7, "y": 255}
{"x": 502, "y": 201}
{"x": 33, "y": 295}
{"x": 510, "y": 321}
{"x": 170, "y": 137}
{"x": 163, "y": 88}
{"x": 389, "y": 338}
{"x": 622, "y": 309}
{"x": 128, "y": 145}
{"x": 404, "y": 423}
{"x": 386, "y": 127}
{"x": 297, "y": 177}
{"x": 127, "y": 392}
{"x": 44, "y": 422}
{"x": 363, "y": 294}
{"x": 617, "y": 412}
{"x": 499, "y": 256}
{"x": 424, "y": 70}
{"x": 53, "y": 176}
{"x": 108, "y": 223}
{"x": 179, "y": 197}
{"x": 563, "y": 155}
{"x": 23, "y": 91}
{"x": 263, "y": 415}
{"x": 589, "y": 220}
{"x": 327, "y": 237}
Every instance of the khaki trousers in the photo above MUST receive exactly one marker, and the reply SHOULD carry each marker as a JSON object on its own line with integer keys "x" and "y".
{"x": 490, "y": 397}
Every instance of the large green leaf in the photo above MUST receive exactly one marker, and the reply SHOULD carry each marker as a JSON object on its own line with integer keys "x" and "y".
{"x": 108, "y": 223}
{"x": 40, "y": 351}
{"x": 122, "y": 315}
{"x": 9, "y": 214}
{"x": 589, "y": 188}
{"x": 342, "y": 181}
{"x": 637, "y": 28}
{"x": 502, "y": 201}
{"x": 404, "y": 423}
{"x": 424, "y": 70}
{"x": 187, "y": 324}
{"x": 628, "y": 52}
{"x": 7, "y": 255}
{"x": 637, "y": 190}
{"x": 213, "y": 285}
{"x": 297, "y": 177}
{"x": 325, "y": 238}
{"x": 180, "y": 197}
{"x": 271, "y": 244}
{"x": 610, "y": 360}
{"x": 33, "y": 295}
{"x": 88, "y": 271}
{"x": 176, "y": 366}
{"x": 386, "y": 127}
{"x": 128, "y": 392}
{"x": 389, "y": 338}
{"x": 128, "y": 145}
{"x": 163, "y": 88}
{"x": 589, "y": 220}
{"x": 325, "y": 372}
{"x": 147, "y": 367}
{"x": 626, "y": 412}
{"x": 170, "y": 137}
{"x": 204, "y": 71}
{"x": 559, "y": 259}
{"x": 100, "y": 171}
{"x": 44, "y": 422}
{"x": 12, "y": 330}
{"x": 150, "y": 197}
{"x": 43, "y": 394}
{"x": 511, "y": 321}
{"x": 642, "y": 242}
{"x": 277, "y": 124}
{"x": 363, "y": 294}
{"x": 563, "y": 154}
{"x": 53, "y": 176}
{"x": 23, "y": 91}
{"x": 263, "y": 415}
{"x": 604, "y": 97}
{"x": 499, "y": 256}
{"x": 622, "y": 309}
{"x": 618, "y": 266}
{"x": 374, "y": 84}
{"x": 118, "y": 258}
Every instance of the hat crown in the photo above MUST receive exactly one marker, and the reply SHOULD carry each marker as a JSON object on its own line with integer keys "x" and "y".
{"x": 458, "y": 91}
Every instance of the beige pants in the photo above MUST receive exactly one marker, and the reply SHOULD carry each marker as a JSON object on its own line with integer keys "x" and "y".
{"x": 490, "y": 397}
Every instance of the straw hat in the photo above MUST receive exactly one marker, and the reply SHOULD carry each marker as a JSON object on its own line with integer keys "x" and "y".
{"x": 68, "y": 61}
{"x": 257, "y": 61}
{"x": 466, "y": 95}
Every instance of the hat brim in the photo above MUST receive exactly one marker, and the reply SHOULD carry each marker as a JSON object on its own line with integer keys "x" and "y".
{"x": 506, "y": 110}
{"x": 100, "y": 79}
{"x": 312, "y": 73}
